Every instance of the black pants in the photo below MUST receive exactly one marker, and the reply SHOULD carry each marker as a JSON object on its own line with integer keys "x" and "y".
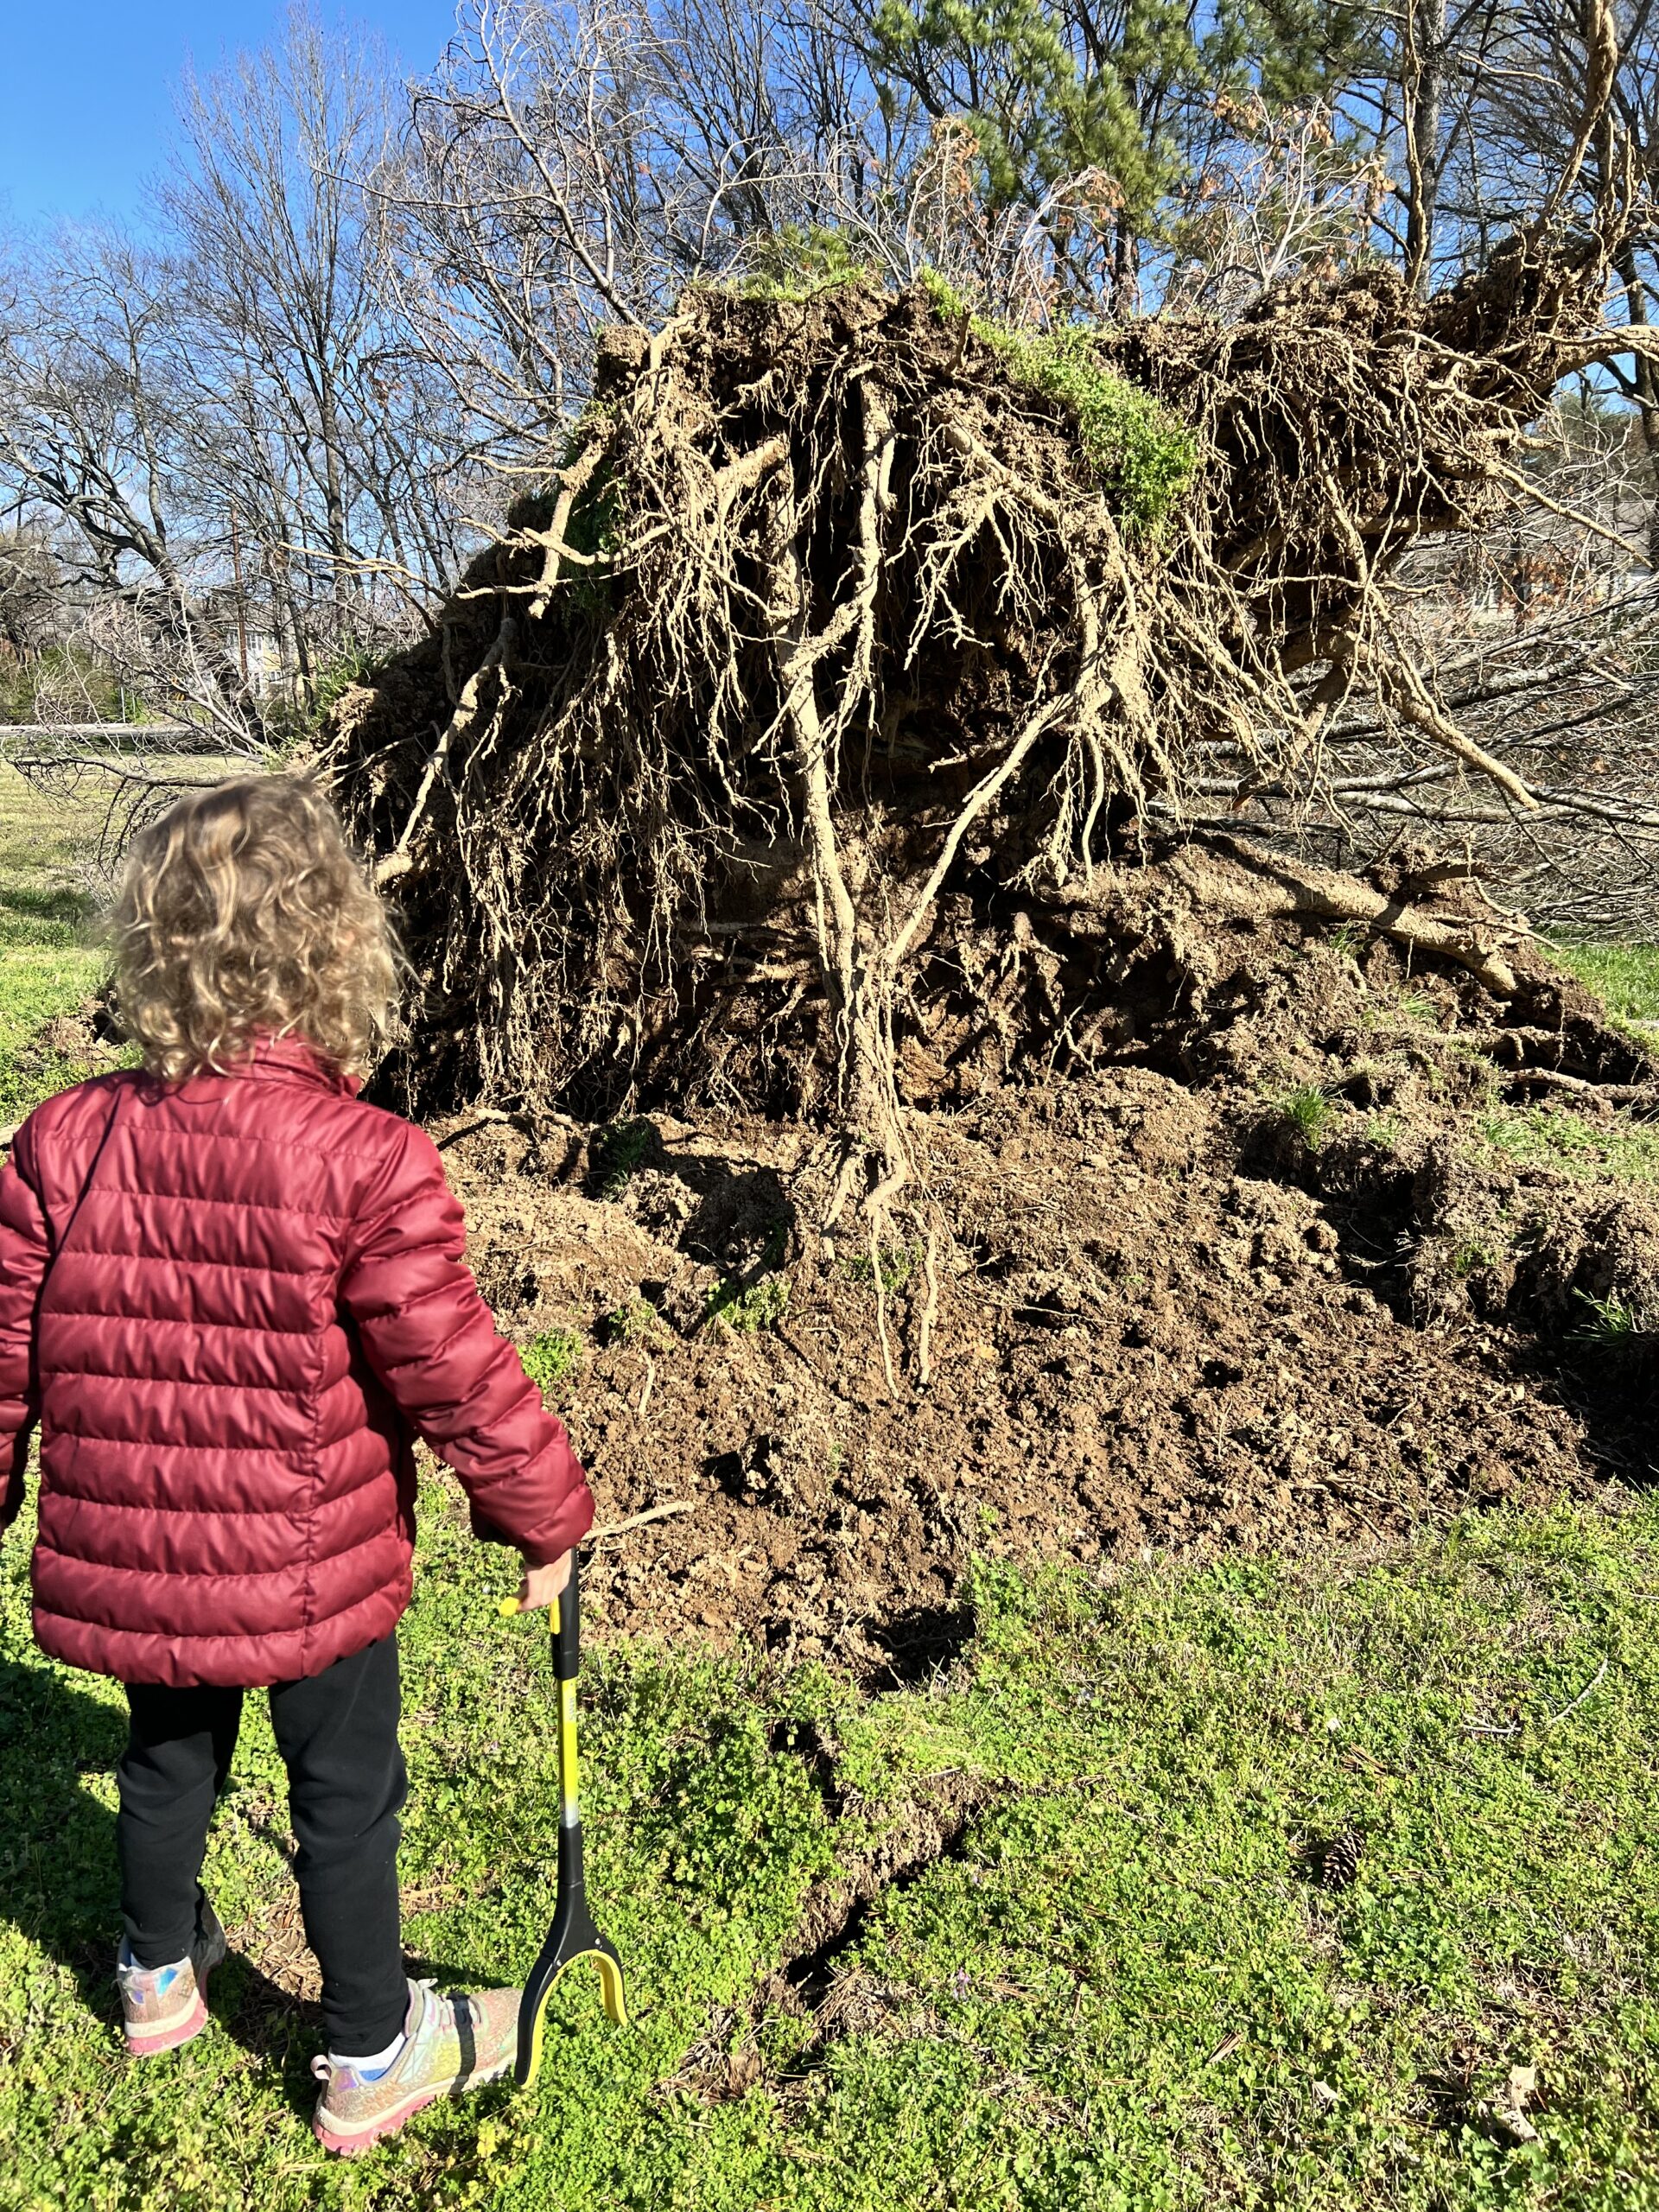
{"x": 337, "y": 1735}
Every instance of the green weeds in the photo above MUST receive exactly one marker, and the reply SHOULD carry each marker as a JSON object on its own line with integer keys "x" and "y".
{"x": 1610, "y": 1323}
{"x": 617, "y": 1153}
{"x": 1140, "y": 453}
{"x": 1472, "y": 1257}
{"x": 762, "y": 1305}
{"x": 635, "y": 1321}
{"x": 1410, "y": 1010}
{"x": 550, "y": 1360}
{"x": 898, "y": 1263}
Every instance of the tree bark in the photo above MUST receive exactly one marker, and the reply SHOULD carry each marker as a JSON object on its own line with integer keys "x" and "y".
{"x": 1425, "y": 76}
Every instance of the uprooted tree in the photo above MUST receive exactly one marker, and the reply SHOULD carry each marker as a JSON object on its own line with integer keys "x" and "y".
{"x": 852, "y": 642}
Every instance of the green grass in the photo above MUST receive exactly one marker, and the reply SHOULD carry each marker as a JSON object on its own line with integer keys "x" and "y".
{"x": 1611, "y": 1323}
{"x": 1309, "y": 1111}
{"x": 635, "y": 1321}
{"x": 1122, "y": 1988}
{"x": 899, "y": 1262}
{"x": 44, "y": 847}
{"x": 1582, "y": 1146}
{"x": 1471, "y": 1258}
{"x": 49, "y": 963}
{"x": 1625, "y": 977}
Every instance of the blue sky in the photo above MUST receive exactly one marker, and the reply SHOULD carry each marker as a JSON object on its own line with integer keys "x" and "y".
{"x": 86, "y": 86}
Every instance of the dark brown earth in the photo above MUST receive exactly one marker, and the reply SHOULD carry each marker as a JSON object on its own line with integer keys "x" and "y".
{"x": 1167, "y": 1319}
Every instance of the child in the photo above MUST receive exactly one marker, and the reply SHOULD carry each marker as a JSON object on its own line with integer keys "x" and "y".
{"x": 229, "y": 1292}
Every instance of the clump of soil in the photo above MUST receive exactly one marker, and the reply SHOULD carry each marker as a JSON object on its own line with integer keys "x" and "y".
{"x": 1263, "y": 1275}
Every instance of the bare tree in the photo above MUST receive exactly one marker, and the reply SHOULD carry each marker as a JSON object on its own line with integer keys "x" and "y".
{"x": 87, "y": 420}
{"x": 316, "y": 417}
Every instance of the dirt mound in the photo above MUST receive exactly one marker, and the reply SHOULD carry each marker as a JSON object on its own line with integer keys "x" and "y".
{"x": 1302, "y": 1260}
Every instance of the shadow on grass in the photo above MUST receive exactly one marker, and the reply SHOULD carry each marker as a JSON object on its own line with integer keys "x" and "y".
{"x": 59, "y": 1883}
{"x": 48, "y": 903}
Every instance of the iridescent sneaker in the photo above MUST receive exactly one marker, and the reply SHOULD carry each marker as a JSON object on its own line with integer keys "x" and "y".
{"x": 451, "y": 2044}
{"x": 164, "y": 2006}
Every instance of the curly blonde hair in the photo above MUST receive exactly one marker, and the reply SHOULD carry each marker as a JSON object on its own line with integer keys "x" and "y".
{"x": 243, "y": 913}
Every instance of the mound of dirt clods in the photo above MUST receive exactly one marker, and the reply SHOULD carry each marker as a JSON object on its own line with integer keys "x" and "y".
{"x": 1333, "y": 1242}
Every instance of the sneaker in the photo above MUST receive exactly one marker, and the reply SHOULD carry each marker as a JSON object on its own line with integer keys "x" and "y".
{"x": 450, "y": 2044}
{"x": 164, "y": 2006}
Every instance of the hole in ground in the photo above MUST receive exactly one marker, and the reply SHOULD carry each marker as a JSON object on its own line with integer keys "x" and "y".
{"x": 917, "y": 1644}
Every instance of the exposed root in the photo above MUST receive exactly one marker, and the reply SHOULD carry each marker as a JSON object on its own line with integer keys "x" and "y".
{"x": 1276, "y": 886}
{"x": 830, "y": 664}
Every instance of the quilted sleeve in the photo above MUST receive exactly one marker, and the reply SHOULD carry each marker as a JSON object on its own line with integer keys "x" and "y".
{"x": 25, "y": 1250}
{"x": 432, "y": 1340}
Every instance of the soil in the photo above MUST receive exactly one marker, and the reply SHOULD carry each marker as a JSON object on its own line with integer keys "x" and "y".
{"x": 1168, "y": 1317}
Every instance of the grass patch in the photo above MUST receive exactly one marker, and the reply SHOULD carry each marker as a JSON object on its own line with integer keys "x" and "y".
{"x": 1123, "y": 1986}
{"x": 898, "y": 1263}
{"x": 1624, "y": 977}
{"x": 1410, "y": 1010}
{"x": 1471, "y": 1258}
{"x": 1309, "y": 1111}
{"x": 50, "y": 964}
{"x": 1610, "y": 1323}
{"x": 1132, "y": 445}
{"x": 1589, "y": 1149}
{"x": 46, "y": 845}
{"x": 635, "y": 1321}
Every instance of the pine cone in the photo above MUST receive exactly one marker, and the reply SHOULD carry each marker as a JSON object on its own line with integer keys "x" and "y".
{"x": 1339, "y": 1860}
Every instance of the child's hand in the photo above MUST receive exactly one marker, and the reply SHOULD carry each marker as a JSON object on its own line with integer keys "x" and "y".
{"x": 542, "y": 1584}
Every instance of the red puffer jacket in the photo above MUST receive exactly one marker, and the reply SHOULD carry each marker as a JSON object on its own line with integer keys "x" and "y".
{"x": 227, "y": 1305}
